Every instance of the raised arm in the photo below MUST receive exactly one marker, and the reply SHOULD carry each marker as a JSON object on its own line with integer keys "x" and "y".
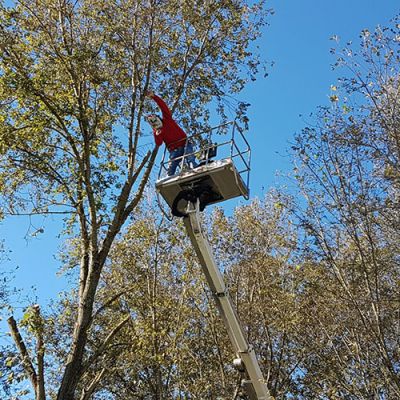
{"x": 166, "y": 112}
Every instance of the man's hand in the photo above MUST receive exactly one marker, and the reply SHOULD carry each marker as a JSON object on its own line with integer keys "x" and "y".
{"x": 149, "y": 93}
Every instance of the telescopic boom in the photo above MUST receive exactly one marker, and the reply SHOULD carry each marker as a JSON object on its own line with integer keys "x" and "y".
{"x": 246, "y": 362}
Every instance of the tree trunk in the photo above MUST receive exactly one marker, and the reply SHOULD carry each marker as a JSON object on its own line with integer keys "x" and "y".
{"x": 73, "y": 368}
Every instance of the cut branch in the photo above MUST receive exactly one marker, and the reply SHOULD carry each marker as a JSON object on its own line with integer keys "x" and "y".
{"x": 26, "y": 359}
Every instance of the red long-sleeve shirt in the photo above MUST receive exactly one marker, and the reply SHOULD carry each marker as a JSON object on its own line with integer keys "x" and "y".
{"x": 171, "y": 133}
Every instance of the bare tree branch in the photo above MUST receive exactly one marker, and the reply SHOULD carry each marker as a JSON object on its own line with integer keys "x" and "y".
{"x": 26, "y": 359}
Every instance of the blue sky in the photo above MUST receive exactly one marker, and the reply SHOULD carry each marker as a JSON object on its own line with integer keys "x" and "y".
{"x": 297, "y": 40}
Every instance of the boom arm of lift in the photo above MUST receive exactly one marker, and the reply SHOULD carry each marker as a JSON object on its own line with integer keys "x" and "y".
{"x": 246, "y": 362}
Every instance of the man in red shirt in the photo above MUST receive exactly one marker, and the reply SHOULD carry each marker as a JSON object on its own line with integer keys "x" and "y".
{"x": 166, "y": 130}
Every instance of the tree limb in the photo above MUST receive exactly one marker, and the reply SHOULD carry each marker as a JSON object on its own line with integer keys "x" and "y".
{"x": 106, "y": 342}
{"x": 26, "y": 359}
{"x": 87, "y": 393}
{"x": 40, "y": 388}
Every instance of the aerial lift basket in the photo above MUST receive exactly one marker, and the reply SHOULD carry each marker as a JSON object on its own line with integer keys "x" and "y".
{"x": 222, "y": 174}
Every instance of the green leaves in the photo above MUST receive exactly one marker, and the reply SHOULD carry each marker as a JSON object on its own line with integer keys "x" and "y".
{"x": 73, "y": 75}
{"x": 350, "y": 240}
{"x": 32, "y": 320}
{"x": 72, "y": 141}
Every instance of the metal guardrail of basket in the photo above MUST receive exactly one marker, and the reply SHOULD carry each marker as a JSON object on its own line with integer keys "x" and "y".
{"x": 222, "y": 142}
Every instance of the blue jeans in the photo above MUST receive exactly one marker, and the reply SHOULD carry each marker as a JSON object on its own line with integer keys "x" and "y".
{"x": 179, "y": 152}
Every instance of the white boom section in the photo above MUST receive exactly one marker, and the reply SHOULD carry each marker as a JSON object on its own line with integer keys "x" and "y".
{"x": 253, "y": 382}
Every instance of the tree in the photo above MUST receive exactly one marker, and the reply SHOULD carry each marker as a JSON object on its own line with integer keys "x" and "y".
{"x": 170, "y": 348}
{"x": 176, "y": 344}
{"x": 348, "y": 172}
{"x": 257, "y": 247}
{"x": 72, "y": 83}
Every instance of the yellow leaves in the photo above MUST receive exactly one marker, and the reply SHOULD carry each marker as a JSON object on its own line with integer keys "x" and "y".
{"x": 390, "y": 172}
{"x": 10, "y": 361}
{"x": 334, "y": 98}
{"x": 10, "y": 377}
